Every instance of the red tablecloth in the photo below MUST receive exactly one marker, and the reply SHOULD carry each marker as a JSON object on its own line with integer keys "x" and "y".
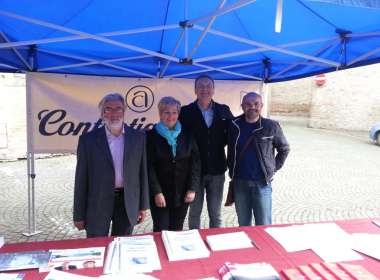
{"x": 269, "y": 251}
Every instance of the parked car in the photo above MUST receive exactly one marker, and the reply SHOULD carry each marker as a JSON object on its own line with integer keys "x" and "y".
{"x": 374, "y": 133}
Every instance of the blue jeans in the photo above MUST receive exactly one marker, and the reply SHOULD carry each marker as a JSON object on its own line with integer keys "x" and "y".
{"x": 212, "y": 185}
{"x": 251, "y": 197}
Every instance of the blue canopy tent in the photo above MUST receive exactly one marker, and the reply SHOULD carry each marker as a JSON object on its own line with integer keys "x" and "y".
{"x": 259, "y": 40}
{"x": 267, "y": 40}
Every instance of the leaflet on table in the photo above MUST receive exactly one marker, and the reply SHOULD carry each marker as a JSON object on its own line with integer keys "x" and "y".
{"x": 327, "y": 240}
{"x": 11, "y": 276}
{"x": 135, "y": 253}
{"x": 303, "y": 237}
{"x": 336, "y": 253}
{"x": 61, "y": 275}
{"x": 139, "y": 254}
{"x": 184, "y": 245}
{"x": 227, "y": 241}
{"x": 290, "y": 237}
{"x": 365, "y": 243}
{"x": 251, "y": 271}
{"x": 67, "y": 259}
{"x": 24, "y": 260}
{"x": 112, "y": 261}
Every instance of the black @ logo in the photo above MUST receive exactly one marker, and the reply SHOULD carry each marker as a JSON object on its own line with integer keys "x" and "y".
{"x": 139, "y": 99}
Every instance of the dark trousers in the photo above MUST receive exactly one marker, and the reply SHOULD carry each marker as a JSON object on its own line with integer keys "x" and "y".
{"x": 168, "y": 218}
{"x": 120, "y": 221}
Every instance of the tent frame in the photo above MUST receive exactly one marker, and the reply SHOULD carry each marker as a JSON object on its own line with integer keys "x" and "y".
{"x": 188, "y": 56}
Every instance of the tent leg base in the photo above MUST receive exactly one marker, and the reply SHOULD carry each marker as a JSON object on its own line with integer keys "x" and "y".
{"x": 28, "y": 234}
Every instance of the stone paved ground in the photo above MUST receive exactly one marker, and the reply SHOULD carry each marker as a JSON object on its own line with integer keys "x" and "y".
{"x": 329, "y": 175}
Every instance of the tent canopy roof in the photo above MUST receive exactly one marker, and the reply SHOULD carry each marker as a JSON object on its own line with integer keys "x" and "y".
{"x": 227, "y": 39}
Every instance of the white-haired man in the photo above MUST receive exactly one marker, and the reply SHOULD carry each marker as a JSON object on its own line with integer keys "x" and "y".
{"x": 111, "y": 182}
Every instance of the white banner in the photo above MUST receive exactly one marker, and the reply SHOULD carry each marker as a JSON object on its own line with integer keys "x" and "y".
{"x": 62, "y": 107}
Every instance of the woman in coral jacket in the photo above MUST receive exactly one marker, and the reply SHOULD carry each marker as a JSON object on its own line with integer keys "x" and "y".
{"x": 173, "y": 168}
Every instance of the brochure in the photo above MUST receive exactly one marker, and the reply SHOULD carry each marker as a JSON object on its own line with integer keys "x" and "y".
{"x": 67, "y": 259}
{"x": 136, "y": 253}
{"x": 184, "y": 245}
{"x": 139, "y": 254}
{"x": 24, "y": 260}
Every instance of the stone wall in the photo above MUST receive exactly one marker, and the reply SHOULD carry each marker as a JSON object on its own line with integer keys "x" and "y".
{"x": 349, "y": 100}
{"x": 12, "y": 116}
{"x": 291, "y": 98}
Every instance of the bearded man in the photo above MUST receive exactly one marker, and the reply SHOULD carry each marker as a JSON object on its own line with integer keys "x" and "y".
{"x": 257, "y": 149}
{"x": 111, "y": 184}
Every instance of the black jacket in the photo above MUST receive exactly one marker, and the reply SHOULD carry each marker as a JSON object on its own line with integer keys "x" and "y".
{"x": 268, "y": 138}
{"x": 172, "y": 176}
{"x": 211, "y": 141}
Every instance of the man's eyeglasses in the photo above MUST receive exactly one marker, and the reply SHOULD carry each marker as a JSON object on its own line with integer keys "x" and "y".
{"x": 109, "y": 110}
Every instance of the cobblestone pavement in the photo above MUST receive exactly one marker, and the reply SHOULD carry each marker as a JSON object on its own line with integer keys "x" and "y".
{"x": 329, "y": 175}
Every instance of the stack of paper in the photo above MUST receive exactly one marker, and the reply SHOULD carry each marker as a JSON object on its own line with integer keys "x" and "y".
{"x": 66, "y": 259}
{"x": 184, "y": 245}
{"x": 135, "y": 253}
{"x": 226, "y": 241}
{"x": 24, "y": 260}
{"x": 327, "y": 240}
{"x": 290, "y": 237}
{"x": 252, "y": 271}
{"x": 139, "y": 254}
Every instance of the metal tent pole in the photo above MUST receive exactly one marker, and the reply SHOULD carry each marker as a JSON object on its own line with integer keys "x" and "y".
{"x": 30, "y": 160}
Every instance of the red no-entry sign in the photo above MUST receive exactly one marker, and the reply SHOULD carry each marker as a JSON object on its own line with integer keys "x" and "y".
{"x": 320, "y": 79}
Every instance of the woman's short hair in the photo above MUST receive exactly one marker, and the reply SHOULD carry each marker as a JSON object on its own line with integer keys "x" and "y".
{"x": 168, "y": 101}
{"x": 111, "y": 97}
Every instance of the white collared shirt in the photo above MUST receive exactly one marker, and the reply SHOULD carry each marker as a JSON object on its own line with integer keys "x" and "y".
{"x": 116, "y": 145}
